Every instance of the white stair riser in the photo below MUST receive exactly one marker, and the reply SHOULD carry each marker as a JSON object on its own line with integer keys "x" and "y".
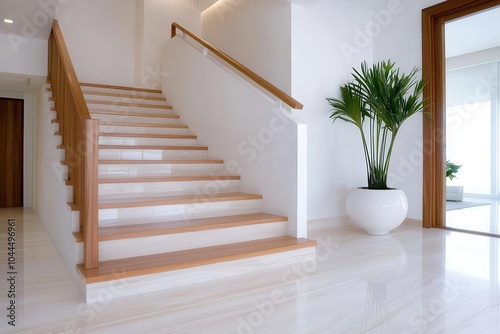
{"x": 133, "y": 170}
{"x": 139, "y": 154}
{"x": 61, "y": 171}
{"x": 119, "y": 249}
{"x": 62, "y": 154}
{"x": 128, "y": 109}
{"x": 58, "y": 140}
{"x": 54, "y": 127}
{"x": 132, "y": 141}
{"x": 141, "y": 130}
{"x": 134, "y": 119}
{"x": 69, "y": 194}
{"x": 174, "y": 281}
{"x": 75, "y": 221}
{"x": 122, "y": 99}
{"x": 120, "y": 91}
{"x": 151, "y": 214}
{"x": 154, "y": 189}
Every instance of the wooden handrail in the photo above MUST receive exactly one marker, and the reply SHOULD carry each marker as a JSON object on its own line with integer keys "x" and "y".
{"x": 74, "y": 85}
{"x": 79, "y": 134}
{"x": 240, "y": 67}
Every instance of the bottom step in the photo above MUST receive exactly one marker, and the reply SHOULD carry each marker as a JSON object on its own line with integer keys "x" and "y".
{"x": 145, "y": 274}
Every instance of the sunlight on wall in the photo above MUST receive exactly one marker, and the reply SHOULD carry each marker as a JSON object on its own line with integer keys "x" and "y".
{"x": 205, "y": 4}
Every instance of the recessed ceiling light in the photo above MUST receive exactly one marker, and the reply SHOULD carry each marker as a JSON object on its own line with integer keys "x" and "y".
{"x": 8, "y": 21}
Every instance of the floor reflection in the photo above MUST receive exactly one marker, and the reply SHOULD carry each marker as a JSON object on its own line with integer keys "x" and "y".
{"x": 482, "y": 217}
{"x": 412, "y": 281}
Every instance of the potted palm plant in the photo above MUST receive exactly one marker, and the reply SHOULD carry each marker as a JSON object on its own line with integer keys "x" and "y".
{"x": 454, "y": 193}
{"x": 378, "y": 101}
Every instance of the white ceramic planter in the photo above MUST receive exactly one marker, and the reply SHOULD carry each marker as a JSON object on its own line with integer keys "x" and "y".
{"x": 376, "y": 211}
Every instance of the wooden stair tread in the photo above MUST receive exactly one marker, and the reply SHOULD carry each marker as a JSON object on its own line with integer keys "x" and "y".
{"x": 129, "y": 104}
{"x": 147, "y": 135}
{"x": 155, "y": 179}
{"x": 135, "y": 114}
{"x": 137, "y": 89}
{"x": 151, "y": 264}
{"x": 113, "y": 203}
{"x": 181, "y": 226}
{"x": 156, "y": 162}
{"x": 153, "y": 147}
{"x": 124, "y": 95}
{"x": 144, "y": 125}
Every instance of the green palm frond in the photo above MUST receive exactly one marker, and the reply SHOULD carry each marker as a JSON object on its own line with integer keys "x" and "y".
{"x": 350, "y": 108}
{"x": 385, "y": 98}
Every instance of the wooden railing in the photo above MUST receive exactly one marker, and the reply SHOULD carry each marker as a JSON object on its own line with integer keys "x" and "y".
{"x": 239, "y": 67}
{"x": 80, "y": 136}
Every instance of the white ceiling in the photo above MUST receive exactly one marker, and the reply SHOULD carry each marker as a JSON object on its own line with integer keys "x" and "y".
{"x": 473, "y": 33}
{"x": 34, "y": 19}
{"x": 31, "y": 18}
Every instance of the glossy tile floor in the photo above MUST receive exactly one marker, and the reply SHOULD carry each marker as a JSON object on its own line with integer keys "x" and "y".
{"x": 413, "y": 281}
{"x": 483, "y": 218}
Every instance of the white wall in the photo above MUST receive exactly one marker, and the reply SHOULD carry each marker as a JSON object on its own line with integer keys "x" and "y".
{"x": 100, "y": 36}
{"x": 254, "y": 32}
{"x": 401, "y": 41}
{"x": 157, "y": 19}
{"x": 389, "y": 29}
{"x": 29, "y": 120}
{"x": 326, "y": 44}
{"x": 325, "y": 40}
{"x": 120, "y": 41}
{"x": 51, "y": 191}
{"x": 263, "y": 144}
{"x": 22, "y": 55}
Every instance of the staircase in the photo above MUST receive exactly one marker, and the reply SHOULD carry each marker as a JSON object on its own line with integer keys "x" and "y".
{"x": 170, "y": 216}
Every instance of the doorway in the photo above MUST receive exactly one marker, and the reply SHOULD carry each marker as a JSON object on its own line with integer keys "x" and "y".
{"x": 11, "y": 152}
{"x": 434, "y": 71}
{"x": 472, "y": 140}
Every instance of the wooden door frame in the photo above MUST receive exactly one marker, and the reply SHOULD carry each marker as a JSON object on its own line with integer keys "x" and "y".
{"x": 434, "y": 125}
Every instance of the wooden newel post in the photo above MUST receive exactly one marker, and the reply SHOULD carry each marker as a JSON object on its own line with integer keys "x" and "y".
{"x": 90, "y": 199}
{"x": 173, "y": 31}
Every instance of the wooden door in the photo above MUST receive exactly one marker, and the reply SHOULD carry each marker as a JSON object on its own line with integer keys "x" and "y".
{"x": 11, "y": 152}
